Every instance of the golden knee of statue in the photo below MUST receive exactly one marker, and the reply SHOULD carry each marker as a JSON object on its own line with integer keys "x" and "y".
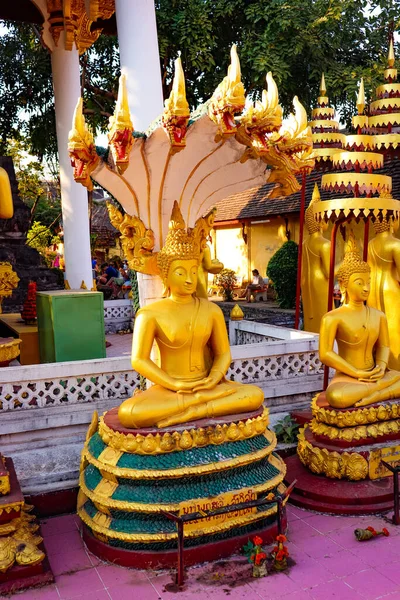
{"x": 362, "y": 338}
{"x": 190, "y": 333}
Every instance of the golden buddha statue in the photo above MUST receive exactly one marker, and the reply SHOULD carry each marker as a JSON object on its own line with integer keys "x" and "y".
{"x": 315, "y": 269}
{"x": 193, "y": 345}
{"x": 384, "y": 260}
{"x": 361, "y": 333}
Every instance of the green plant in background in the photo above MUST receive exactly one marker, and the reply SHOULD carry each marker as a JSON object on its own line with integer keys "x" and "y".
{"x": 282, "y": 270}
{"x": 286, "y": 430}
{"x": 226, "y": 280}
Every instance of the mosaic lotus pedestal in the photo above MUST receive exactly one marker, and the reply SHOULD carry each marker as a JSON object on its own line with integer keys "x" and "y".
{"x": 130, "y": 477}
{"x": 339, "y": 464}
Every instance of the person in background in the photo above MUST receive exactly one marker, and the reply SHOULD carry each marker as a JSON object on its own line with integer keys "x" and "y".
{"x": 257, "y": 283}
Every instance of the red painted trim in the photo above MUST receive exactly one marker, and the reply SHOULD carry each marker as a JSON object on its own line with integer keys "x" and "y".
{"x": 166, "y": 559}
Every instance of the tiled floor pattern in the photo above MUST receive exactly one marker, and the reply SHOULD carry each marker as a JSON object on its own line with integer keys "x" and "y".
{"x": 328, "y": 564}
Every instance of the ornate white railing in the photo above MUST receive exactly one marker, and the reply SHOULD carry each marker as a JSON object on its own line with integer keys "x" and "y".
{"x": 66, "y": 383}
{"x": 117, "y": 315}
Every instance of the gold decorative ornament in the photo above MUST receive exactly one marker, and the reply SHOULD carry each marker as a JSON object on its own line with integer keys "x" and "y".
{"x": 236, "y": 313}
{"x": 8, "y": 281}
{"x": 360, "y": 432}
{"x": 82, "y": 149}
{"x": 335, "y": 465}
{"x": 9, "y": 351}
{"x": 161, "y": 443}
{"x": 355, "y": 417}
{"x": 176, "y": 113}
{"x": 137, "y": 241}
{"x": 6, "y": 202}
{"x": 228, "y": 99}
{"x": 120, "y": 129}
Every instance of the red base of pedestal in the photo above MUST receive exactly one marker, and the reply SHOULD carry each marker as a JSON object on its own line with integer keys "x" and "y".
{"x": 169, "y": 558}
{"x": 338, "y": 496}
{"x": 20, "y": 578}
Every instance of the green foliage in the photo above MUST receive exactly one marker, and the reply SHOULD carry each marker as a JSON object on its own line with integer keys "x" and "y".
{"x": 226, "y": 280}
{"x": 41, "y": 237}
{"x": 282, "y": 270}
{"x": 287, "y": 430}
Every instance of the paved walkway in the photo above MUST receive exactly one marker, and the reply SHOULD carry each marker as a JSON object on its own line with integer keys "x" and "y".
{"x": 327, "y": 563}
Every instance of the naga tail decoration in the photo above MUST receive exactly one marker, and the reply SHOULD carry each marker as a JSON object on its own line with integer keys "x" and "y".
{"x": 176, "y": 113}
{"x": 120, "y": 129}
{"x": 82, "y": 149}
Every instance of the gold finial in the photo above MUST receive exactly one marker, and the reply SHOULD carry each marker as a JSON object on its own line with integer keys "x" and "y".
{"x": 79, "y": 128}
{"x": 311, "y": 223}
{"x": 391, "y": 57}
{"x": 177, "y": 104}
{"x": 236, "y": 313}
{"x": 322, "y": 87}
{"x": 351, "y": 264}
{"x": 361, "y": 98}
{"x": 234, "y": 72}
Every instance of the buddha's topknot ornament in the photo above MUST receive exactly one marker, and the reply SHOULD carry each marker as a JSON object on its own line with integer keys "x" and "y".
{"x": 351, "y": 264}
{"x": 311, "y": 223}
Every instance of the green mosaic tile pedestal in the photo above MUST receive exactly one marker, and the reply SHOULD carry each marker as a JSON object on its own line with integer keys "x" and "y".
{"x": 130, "y": 477}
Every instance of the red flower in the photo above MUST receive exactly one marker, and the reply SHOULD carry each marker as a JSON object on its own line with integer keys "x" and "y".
{"x": 281, "y": 538}
{"x": 252, "y": 557}
{"x": 385, "y": 532}
{"x": 372, "y": 530}
{"x": 280, "y": 556}
{"x": 260, "y": 557}
{"x": 275, "y": 549}
{"x": 257, "y": 540}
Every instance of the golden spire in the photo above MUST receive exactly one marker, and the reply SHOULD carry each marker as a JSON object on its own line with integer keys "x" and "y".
{"x": 79, "y": 127}
{"x": 322, "y": 87}
{"x": 361, "y": 98}
{"x": 316, "y": 196}
{"x": 391, "y": 57}
{"x": 177, "y": 104}
{"x": 122, "y": 113}
{"x": 352, "y": 263}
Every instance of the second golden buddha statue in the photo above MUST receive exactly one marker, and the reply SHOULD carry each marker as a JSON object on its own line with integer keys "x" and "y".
{"x": 193, "y": 344}
{"x": 315, "y": 269}
{"x": 362, "y": 336}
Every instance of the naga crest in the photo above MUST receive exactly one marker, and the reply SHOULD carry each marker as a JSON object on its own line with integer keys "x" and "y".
{"x": 228, "y": 99}
{"x": 120, "y": 129}
{"x": 82, "y": 149}
{"x": 176, "y": 113}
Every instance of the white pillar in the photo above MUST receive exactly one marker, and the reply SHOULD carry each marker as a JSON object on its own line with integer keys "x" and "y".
{"x": 74, "y": 201}
{"x": 140, "y": 59}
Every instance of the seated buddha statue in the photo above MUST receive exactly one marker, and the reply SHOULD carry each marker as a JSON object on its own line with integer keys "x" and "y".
{"x": 362, "y": 337}
{"x": 194, "y": 352}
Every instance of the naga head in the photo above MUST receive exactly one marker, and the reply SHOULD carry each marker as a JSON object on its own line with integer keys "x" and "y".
{"x": 176, "y": 113}
{"x": 228, "y": 98}
{"x": 261, "y": 119}
{"x": 120, "y": 129}
{"x": 82, "y": 149}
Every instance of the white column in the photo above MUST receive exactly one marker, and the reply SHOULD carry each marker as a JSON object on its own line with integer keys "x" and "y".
{"x": 140, "y": 59}
{"x": 74, "y": 202}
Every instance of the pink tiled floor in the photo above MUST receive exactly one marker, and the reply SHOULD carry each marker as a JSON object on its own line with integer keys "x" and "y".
{"x": 328, "y": 564}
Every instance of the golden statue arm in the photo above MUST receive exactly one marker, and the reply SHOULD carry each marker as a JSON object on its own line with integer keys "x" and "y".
{"x": 325, "y": 259}
{"x": 210, "y": 265}
{"x": 383, "y": 347}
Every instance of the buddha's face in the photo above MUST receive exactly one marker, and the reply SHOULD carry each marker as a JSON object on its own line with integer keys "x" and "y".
{"x": 358, "y": 287}
{"x": 182, "y": 277}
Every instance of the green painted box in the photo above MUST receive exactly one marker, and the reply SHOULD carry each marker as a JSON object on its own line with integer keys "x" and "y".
{"x": 70, "y": 325}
